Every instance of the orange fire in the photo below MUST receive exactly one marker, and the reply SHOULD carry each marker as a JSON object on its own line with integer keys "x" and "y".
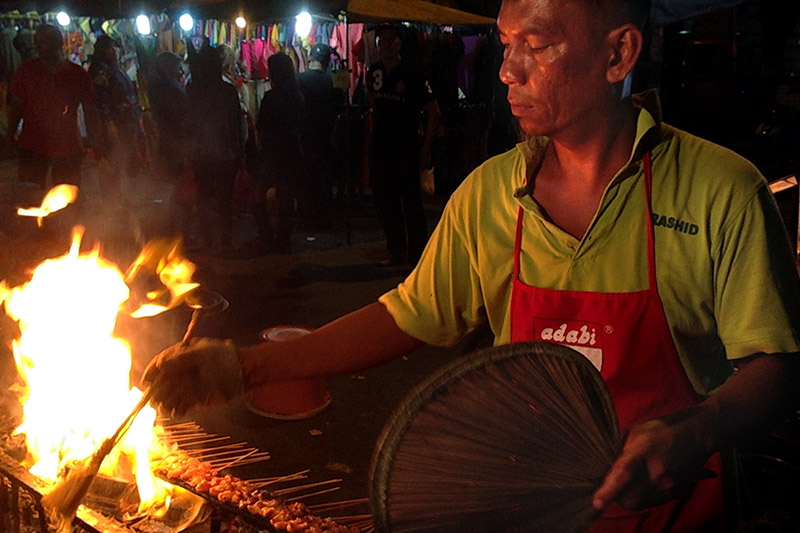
{"x": 76, "y": 374}
{"x": 56, "y": 199}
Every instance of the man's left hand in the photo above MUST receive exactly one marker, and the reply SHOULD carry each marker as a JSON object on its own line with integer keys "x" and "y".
{"x": 660, "y": 461}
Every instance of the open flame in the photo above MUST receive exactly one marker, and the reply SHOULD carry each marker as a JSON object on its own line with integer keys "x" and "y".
{"x": 56, "y": 199}
{"x": 163, "y": 257}
{"x": 76, "y": 374}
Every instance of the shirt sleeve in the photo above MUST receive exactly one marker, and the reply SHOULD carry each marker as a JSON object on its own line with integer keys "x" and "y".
{"x": 756, "y": 282}
{"x": 441, "y": 301}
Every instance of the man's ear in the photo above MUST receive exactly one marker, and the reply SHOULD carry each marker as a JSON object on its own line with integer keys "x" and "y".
{"x": 625, "y": 45}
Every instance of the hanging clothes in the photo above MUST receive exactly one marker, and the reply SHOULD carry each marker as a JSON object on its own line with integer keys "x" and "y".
{"x": 339, "y": 41}
{"x": 468, "y": 64}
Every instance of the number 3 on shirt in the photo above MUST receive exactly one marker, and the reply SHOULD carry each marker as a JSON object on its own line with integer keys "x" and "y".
{"x": 377, "y": 80}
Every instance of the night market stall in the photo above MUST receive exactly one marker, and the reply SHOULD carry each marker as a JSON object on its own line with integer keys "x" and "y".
{"x": 234, "y": 469}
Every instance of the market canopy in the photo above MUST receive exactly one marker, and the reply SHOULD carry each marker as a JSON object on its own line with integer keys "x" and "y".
{"x": 418, "y": 11}
{"x": 662, "y": 11}
{"x": 411, "y": 11}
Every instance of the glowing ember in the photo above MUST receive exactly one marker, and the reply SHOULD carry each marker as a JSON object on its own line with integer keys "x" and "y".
{"x": 76, "y": 374}
{"x": 56, "y": 199}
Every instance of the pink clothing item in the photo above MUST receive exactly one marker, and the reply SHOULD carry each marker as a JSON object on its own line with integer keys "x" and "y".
{"x": 248, "y": 52}
{"x": 261, "y": 69}
{"x": 355, "y": 57}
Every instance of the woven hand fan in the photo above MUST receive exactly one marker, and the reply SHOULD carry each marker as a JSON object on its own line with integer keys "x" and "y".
{"x": 511, "y": 438}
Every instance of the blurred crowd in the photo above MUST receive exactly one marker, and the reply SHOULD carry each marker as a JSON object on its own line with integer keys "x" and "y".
{"x": 189, "y": 121}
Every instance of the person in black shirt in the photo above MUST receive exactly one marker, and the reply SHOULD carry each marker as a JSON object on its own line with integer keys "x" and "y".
{"x": 278, "y": 134}
{"x": 215, "y": 146}
{"x": 323, "y": 103}
{"x": 399, "y": 96}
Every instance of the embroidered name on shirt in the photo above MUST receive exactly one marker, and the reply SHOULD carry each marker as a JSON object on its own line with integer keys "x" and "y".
{"x": 675, "y": 224}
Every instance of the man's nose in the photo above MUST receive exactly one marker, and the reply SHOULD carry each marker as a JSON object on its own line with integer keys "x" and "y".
{"x": 511, "y": 70}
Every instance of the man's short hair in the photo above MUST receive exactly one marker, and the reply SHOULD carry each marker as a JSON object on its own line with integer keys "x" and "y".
{"x": 619, "y": 12}
{"x": 385, "y": 28}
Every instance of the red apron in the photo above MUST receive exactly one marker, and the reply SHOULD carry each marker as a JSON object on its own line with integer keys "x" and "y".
{"x": 626, "y": 336}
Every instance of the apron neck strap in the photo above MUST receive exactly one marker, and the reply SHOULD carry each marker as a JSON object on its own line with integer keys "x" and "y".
{"x": 651, "y": 256}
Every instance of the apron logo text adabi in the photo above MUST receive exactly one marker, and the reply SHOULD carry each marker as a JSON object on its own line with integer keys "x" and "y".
{"x": 583, "y": 335}
{"x": 580, "y": 336}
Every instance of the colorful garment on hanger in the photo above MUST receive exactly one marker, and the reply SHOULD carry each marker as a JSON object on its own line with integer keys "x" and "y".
{"x": 339, "y": 42}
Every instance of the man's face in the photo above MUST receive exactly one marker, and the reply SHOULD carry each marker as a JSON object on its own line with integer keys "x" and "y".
{"x": 554, "y": 63}
{"x": 388, "y": 43}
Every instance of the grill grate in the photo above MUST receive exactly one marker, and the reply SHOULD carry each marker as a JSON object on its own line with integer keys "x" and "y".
{"x": 21, "y": 504}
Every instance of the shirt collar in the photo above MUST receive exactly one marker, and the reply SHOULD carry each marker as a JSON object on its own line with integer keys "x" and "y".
{"x": 648, "y": 128}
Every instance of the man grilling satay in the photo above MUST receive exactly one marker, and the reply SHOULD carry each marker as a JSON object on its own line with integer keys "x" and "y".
{"x": 659, "y": 254}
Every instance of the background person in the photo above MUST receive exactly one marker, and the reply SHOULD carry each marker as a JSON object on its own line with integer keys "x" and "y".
{"x": 278, "y": 133}
{"x": 215, "y": 146}
{"x": 323, "y": 102}
{"x": 118, "y": 106}
{"x": 167, "y": 93}
{"x": 45, "y": 93}
{"x": 573, "y": 227}
{"x": 399, "y": 97}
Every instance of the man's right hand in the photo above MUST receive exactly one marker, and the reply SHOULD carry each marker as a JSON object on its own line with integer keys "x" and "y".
{"x": 204, "y": 372}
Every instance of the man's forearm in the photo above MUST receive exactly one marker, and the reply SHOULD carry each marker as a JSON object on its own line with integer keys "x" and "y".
{"x": 354, "y": 342}
{"x": 762, "y": 392}
{"x": 662, "y": 456}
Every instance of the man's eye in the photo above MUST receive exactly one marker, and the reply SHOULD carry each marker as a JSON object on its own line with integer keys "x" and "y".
{"x": 536, "y": 46}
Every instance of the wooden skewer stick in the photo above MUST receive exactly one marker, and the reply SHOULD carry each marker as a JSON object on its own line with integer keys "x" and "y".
{"x": 245, "y": 462}
{"x": 304, "y": 487}
{"x": 169, "y": 427}
{"x": 193, "y": 440}
{"x": 223, "y": 457}
{"x": 177, "y": 425}
{"x": 234, "y": 462}
{"x": 325, "y": 507}
{"x": 252, "y": 460}
{"x": 295, "y": 498}
{"x": 358, "y": 518}
{"x": 207, "y": 457}
{"x": 263, "y": 482}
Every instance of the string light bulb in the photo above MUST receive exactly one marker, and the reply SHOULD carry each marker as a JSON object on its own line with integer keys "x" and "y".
{"x": 62, "y": 18}
{"x": 240, "y": 22}
{"x": 143, "y": 24}
{"x": 302, "y": 25}
{"x": 186, "y": 22}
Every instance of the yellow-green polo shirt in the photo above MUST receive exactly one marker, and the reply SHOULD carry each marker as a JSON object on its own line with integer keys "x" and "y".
{"x": 725, "y": 271}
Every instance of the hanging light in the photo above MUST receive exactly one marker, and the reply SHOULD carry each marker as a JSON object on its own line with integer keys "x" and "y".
{"x": 240, "y": 22}
{"x": 302, "y": 25}
{"x": 62, "y": 18}
{"x": 143, "y": 24}
{"x": 186, "y": 22}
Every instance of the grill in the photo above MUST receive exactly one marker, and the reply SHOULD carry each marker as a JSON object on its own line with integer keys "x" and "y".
{"x": 21, "y": 509}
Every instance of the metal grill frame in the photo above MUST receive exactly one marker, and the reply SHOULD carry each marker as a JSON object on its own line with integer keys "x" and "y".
{"x": 21, "y": 504}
